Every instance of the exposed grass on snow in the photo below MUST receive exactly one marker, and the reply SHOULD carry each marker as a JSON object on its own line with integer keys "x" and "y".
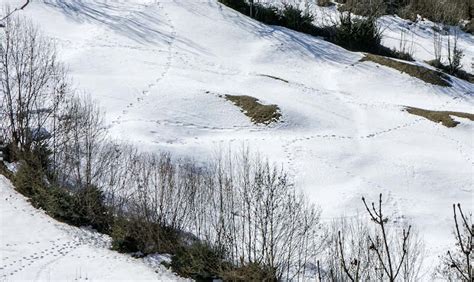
{"x": 274, "y": 77}
{"x": 425, "y": 74}
{"x": 443, "y": 117}
{"x": 257, "y": 112}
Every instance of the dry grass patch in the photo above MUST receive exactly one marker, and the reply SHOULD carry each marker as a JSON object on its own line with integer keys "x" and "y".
{"x": 258, "y": 113}
{"x": 443, "y": 117}
{"x": 425, "y": 74}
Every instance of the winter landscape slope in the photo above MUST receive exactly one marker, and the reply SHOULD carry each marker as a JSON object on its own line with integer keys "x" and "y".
{"x": 34, "y": 247}
{"x": 159, "y": 68}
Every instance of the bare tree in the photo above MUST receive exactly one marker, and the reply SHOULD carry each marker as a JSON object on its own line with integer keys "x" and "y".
{"x": 386, "y": 256}
{"x": 79, "y": 140}
{"x": 407, "y": 45}
{"x": 412, "y": 265}
{"x": 367, "y": 252}
{"x": 32, "y": 83}
{"x": 259, "y": 218}
{"x": 354, "y": 259}
{"x": 458, "y": 264}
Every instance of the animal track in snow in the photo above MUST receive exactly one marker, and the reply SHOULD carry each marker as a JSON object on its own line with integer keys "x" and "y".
{"x": 53, "y": 251}
{"x": 162, "y": 75}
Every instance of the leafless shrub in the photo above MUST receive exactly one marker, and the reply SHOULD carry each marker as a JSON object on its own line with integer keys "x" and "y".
{"x": 33, "y": 83}
{"x": 437, "y": 45}
{"x": 351, "y": 248}
{"x": 390, "y": 260}
{"x": 441, "y": 11}
{"x": 457, "y": 264}
{"x": 359, "y": 251}
{"x": 454, "y": 54}
{"x": 242, "y": 205}
{"x": 367, "y": 8}
{"x": 407, "y": 43}
{"x": 78, "y": 141}
{"x": 259, "y": 217}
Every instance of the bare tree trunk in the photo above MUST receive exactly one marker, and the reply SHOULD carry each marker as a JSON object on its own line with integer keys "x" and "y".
{"x": 32, "y": 82}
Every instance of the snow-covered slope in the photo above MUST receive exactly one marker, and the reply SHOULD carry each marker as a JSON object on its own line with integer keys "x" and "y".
{"x": 418, "y": 38}
{"x": 415, "y": 38}
{"x": 34, "y": 247}
{"x": 158, "y": 67}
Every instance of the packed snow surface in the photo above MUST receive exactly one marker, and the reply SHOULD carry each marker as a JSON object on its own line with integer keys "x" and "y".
{"x": 159, "y": 68}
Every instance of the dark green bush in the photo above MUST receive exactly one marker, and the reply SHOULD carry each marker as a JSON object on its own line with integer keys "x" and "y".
{"x": 289, "y": 17}
{"x": 61, "y": 206}
{"x": 361, "y": 34}
{"x": 83, "y": 208}
{"x": 123, "y": 238}
{"x": 198, "y": 261}
{"x": 89, "y": 205}
{"x": 238, "y": 5}
{"x": 250, "y": 272}
{"x": 203, "y": 262}
{"x": 30, "y": 180}
{"x": 136, "y": 235}
{"x": 267, "y": 15}
{"x": 295, "y": 19}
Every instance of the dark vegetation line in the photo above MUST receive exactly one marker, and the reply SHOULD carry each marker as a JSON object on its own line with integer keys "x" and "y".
{"x": 355, "y": 34}
{"x": 449, "y": 12}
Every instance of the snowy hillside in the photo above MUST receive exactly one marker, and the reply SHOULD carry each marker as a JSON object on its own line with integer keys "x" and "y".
{"x": 160, "y": 68}
{"x": 416, "y": 37}
{"x": 34, "y": 247}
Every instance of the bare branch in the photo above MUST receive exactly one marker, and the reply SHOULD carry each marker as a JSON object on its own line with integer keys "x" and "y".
{"x": 11, "y": 13}
{"x": 343, "y": 260}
